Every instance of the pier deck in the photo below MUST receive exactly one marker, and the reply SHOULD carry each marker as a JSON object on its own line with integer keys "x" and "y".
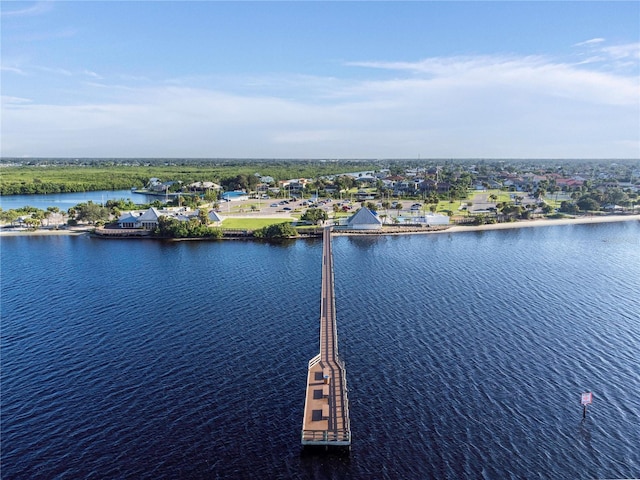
{"x": 326, "y": 410}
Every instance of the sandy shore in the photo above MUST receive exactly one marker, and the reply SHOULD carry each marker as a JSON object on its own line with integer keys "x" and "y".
{"x": 16, "y": 232}
{"x": 453, "y": 229}
{"x": 543, "y": 223}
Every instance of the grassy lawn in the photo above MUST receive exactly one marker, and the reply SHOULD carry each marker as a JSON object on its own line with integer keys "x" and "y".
{"x": 251, "y": 223}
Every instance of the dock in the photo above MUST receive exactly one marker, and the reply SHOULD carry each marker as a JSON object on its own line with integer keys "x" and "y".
{"x": 326, "y": 409}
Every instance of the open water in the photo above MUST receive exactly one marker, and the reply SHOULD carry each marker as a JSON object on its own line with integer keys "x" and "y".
{"x": 65, "y": 201}
{"x": 466, "y": 355}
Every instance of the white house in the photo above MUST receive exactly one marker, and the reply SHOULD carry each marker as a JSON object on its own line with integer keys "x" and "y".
{"x": 128, "y": 220}
{"x": 148, "y": 220}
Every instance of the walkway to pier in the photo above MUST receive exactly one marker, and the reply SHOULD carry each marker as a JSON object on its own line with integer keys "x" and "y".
{"x": 326, "y": 409}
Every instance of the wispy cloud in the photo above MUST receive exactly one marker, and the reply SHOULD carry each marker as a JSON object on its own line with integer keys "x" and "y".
{"x": 91, "y": 74}
{"x": 622, "y": 56}
{"x": 53, "y": 70}
{"x": 628, "y": 51}
{"x": 11, "y": 69}
{"x": 14, "y": 100}
{"x": 593, "y": 41}
{"x": 26, "y": 69}
{"x": 38, "y": 8}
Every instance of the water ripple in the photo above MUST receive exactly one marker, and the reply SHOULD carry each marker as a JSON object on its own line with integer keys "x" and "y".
{"x": 465, "y": 353}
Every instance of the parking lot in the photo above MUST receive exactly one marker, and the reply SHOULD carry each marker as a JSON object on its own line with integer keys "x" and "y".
{"x": 283, "y": 208}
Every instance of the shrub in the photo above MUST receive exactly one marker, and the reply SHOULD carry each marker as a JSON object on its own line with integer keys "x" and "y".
{"x": 279, "y": 230}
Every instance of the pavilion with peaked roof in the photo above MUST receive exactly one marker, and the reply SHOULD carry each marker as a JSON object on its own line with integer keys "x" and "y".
{"x": 215, "y": 217}
{"x": 364, "y": 219}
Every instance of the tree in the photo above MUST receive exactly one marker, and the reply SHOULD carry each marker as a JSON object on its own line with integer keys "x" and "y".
{"x": 193, "y": 228}
{"x": 120, "y": 205}
{"x": 203, "y": 216}
{"x": 315, "y": 215}
{"x": 568, "y": 207}
{"x": 32, "y": 222}
{"x": 91, "y": 212}
{"x": 211, "y": 196}
{"x": 277, "y": 231}
{"x": 345, "y": 182}
{"x": 616, "y": 196}
{"x": 587, "y": 204}
{"x": 511, "y": 211}
{"x": 539, "y": 193}
{"x": 547, "y": 209}
{"x": 9, "y": 216}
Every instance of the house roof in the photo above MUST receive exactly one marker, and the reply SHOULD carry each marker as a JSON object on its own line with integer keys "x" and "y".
{"x": 150, "y": 215}
{"x": 128, "y": 218}
{"x": 364, "y": 216}
{"x": 205, "y": 185}
{"x": 214, "y": 216}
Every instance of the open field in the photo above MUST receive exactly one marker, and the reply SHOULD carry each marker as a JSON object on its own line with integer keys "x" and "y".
{"x": 251, "y": 223}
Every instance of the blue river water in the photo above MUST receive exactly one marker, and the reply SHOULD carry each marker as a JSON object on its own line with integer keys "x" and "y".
{"x": 466, "y": 355}
{"x": 65, "y": 201}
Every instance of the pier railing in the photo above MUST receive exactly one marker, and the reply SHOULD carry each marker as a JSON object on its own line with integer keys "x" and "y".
{"x": 326, "y": 418}
{"x": 314, "y": 361}
{"x": 322, "y": 437}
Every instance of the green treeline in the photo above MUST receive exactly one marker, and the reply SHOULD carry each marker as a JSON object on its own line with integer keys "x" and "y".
{"x": 44, "y": 179}
{"x": 276, "y": 231}
{"x": 192, "y": 228}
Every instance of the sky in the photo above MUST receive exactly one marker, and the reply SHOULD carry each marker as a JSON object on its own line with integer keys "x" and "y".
{"x": 329, "y": 79}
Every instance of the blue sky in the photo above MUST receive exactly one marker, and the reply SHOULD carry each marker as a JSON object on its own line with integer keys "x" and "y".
{"x": 321, "y": 79}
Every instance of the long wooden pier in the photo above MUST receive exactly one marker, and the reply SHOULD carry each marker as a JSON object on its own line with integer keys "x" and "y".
{"x": 326, "y": 409}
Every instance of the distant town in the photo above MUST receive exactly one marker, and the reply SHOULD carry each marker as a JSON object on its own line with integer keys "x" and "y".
{"x": 208, "y": 198}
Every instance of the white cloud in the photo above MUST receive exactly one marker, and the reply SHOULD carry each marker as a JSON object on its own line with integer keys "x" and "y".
{"x": 486, "y": 106}
{"x": 536, "y": 76}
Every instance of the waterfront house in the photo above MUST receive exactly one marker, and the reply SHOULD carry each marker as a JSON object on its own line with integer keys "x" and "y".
{"x": 128, "y": 220}
{"x": 203, "y": 186}
{"x": 149, "y": 219}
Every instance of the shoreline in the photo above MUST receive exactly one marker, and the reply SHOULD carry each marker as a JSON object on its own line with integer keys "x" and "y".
{"x": 542, "y": 222}
{"x": 4, "y": 232}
